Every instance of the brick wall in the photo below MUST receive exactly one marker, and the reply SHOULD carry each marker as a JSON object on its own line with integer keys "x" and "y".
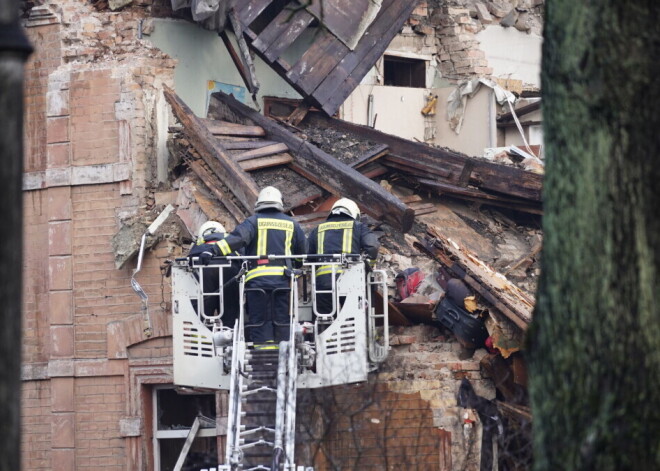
{"x": 44, "y": 60}
{"x": 36, "y": 425}
{"x": 94, "y": 126}
{"x": 405, "y": 417}
{"x": 100, "y": 404}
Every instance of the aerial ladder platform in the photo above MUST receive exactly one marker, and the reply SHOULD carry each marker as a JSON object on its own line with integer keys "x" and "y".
{"x": 323, "y": 349}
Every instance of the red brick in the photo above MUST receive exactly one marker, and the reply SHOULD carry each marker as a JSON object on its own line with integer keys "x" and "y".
{"x": 61, "y": 341}
{"x": 57, "y": 130}
{"x": 63, "y": 430}
{"x": 59, "y": 273}
{"x": 59, "y": 238}
{"x": 63, "y": 460}
{"x": 62, "y": 394}
{"x": 59, "y": 155}
{"x": 61, "y": 307}
{"x": 59, "y": 203}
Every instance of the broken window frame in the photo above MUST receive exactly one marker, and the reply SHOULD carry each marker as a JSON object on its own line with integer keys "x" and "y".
{"x": 182, "y": 433}
{"x": 420, "y": 61}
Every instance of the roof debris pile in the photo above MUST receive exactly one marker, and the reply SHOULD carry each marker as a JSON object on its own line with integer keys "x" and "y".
{"x": 465, "y": 224}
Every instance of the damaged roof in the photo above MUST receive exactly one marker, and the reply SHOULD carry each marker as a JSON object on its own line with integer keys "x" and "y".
{"x": 349, "y": 36}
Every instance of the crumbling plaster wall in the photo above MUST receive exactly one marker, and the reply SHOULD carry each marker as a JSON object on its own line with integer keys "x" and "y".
{"x": 460, "y": 40}
{"x": 405, "y": 417}
{"x": 94, "y": 153}
{"x": 198, "y": 65}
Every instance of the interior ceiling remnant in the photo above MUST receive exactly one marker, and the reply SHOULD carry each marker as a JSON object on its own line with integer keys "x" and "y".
{"x": 348, "y": 20}
{"x": 351, "y": 37}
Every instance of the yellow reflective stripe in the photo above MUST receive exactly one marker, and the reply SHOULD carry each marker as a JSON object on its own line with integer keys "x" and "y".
{"x": 326, "y": 270}
{"x": 329, "y": 226}
{"x": 287, "y": 242}
{"x": 264, "y": 271}
{"x": 321, "y": 240}
{"x": 347, "y": 242}
{"x": 224, "y": 247}
{"x": 262, "y": 242}
{"x": 266, "y": 224}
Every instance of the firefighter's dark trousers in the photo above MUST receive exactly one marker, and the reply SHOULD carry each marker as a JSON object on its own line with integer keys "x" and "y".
{"x": 266, "y": 304}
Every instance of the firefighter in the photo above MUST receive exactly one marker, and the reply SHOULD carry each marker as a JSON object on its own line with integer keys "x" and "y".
{"x": 341, "y": 233}
{"x": 209, "y": 234}
{"x": 268, "y": 232}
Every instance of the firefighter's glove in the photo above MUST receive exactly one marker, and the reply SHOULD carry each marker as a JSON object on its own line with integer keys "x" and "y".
{"x": 205, "y": 257}
{"x": 371, "y": 264}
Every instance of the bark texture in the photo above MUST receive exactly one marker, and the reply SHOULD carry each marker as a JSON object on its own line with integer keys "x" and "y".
{"x": 594, "y": 344}
{"x": 13, "y": 52}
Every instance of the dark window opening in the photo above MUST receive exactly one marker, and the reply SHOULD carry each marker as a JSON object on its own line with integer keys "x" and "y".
{"x": 404, "y": 72}
{"x": 174, "y": 415}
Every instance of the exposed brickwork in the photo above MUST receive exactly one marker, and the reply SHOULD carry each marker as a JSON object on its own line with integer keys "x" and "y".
{"x": 36, "y": 425}
{"x": 35, "y": 277}
{"x": 100, "y": 404}
{"x": 368, "y": 427}
{"x": 42, "y": 62}
{"x": 94, "y": 127}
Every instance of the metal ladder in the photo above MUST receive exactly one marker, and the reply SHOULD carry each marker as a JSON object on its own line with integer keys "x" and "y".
{"x": 262, "y": 403}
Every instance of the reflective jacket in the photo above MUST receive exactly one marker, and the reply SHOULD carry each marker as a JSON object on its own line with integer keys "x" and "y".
{"x": 268, "y": 232}
{"x": 342, "y": 234}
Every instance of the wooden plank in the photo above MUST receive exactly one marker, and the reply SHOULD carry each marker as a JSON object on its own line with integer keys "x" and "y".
{"x": 334, "y": 90}
{"x": 249, "y": 10}
{"x": 317, "y": 61}
{"x": 220, "y": 162}
{"x": 265, "y": 162}
{"x": 236, "y": 24}
{"x": 425, "y": 167}
{"x": 282, "y": 32}
{"x": 343, "y": 18}
{"x": 276, "y": 148}
{"x": 236, "y": 130}
{"x": 410, "y": 198}
{"x": 213, "y": 183}
{"x": 248, "y": 144}
{"x": 326, "y": 171}
{"x": 373, "y": 170}
{"x": 478, "y": 195}
{"x": 371, "y": 155}
{"x": 494, "y": 287}
{"x": 251, "y": 85}
{"x": 510, "y": 181}
{"x": 312, "y": 217}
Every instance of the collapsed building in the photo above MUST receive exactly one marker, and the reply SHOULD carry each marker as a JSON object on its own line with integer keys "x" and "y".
{"x": 141, "y": 109}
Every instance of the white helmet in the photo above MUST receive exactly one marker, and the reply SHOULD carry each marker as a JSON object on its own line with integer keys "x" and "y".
{"x": 347, "y": 207}
{"x": 269, "y": 197}
{"x": 209, "y": 227}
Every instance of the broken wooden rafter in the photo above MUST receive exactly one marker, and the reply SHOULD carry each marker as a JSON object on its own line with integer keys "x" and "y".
{"x": 253, "y": 84}
{"x": 246, "y": 145}
{"x": 211, "y": 151}
{"x": 214, "y": 185}
{"x": 265, "y": 162}
{"x": 370, "y": 156}
{"x": 232, "y": 129}
{"x": 272, "y": 149}
{"x": 474, "y": 194}
{"x": 325, "y": 170}
{"x": 486, "y": 176}
{"x": 252, "y": 87}
{"x": 493, "y": 287}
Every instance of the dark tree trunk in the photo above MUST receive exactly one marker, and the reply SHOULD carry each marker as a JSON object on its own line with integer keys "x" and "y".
{"x": 13, "y": 52}
{"x": 595, "y": 340}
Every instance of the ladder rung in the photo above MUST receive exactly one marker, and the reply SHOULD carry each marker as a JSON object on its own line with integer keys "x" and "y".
{"x": 260, "y": 442}
{"x": 261, "y": 428}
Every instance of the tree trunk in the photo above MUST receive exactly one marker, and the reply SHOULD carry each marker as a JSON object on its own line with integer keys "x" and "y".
{"x": 13, "y": 52}
{"x": 594, "y": 345}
